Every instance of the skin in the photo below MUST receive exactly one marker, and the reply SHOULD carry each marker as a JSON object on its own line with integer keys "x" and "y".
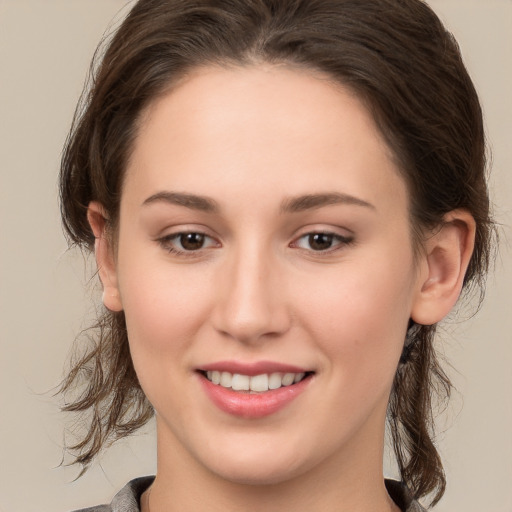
{"x": 251, "y": 140}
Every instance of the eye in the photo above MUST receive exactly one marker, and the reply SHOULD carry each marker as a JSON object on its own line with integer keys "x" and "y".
{"x": 321, "y": 242}
{"x": 187, "y": 242}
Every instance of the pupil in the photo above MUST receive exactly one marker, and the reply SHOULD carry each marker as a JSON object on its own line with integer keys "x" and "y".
{"x": 320, "y": 241}
{"x": 192, "y": 241}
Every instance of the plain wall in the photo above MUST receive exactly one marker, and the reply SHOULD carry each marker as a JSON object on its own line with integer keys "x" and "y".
{"x": 45, "y": 49}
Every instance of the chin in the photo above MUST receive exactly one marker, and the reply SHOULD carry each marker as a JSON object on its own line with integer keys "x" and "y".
{"x": 260, "y": 475}
{"x": 257, "y": 467}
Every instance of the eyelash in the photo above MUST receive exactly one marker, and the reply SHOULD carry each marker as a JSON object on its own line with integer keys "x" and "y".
{"x": 167, "y": 242}
{"x": 342, "y": 241}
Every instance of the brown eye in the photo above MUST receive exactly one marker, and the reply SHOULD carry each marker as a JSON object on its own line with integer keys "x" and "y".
{"x": 187, "y": 243}
{"x": 191, "y": 241}
{"x": 320, "y": 241}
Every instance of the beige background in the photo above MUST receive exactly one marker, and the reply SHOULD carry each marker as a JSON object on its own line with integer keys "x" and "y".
{"x": 45, "y": 47}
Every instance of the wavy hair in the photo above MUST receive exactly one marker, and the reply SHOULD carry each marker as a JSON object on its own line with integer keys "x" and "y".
{"x": 393, "y": 54}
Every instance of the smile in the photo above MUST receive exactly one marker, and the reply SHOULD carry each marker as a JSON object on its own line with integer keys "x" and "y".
{"x": 253, "y": 390}
{"x": 255, "y": 383}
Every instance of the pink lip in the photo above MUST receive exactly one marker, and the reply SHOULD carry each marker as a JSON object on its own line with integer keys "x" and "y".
{"x": 251, "y": 369}
{"x": 252, "y": 405}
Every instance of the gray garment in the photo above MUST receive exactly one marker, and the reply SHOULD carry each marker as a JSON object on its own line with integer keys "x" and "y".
{"x": 128, "y": 498}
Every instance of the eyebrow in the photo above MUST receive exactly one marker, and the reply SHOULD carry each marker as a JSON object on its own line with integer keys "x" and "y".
{"x": 313, "y": 201}
{"x": 290, "y": 205}
{"x": 192, "y": 201}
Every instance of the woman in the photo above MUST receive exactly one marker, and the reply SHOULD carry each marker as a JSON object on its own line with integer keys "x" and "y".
{"x": 278, "y": 194}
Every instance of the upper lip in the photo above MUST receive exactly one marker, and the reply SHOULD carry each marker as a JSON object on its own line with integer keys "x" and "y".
{"x": 252, "y": 368}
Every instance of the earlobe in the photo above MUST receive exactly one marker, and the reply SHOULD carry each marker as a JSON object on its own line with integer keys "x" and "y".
{"x": 105, "y": 259}
{"x": 446, "y": 258}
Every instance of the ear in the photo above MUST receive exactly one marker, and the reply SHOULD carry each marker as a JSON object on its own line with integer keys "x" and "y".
{"x": 446, "y": 258}
{"x": 105, "y": 258}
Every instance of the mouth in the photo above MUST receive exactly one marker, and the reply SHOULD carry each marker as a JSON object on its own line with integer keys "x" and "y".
{"x": 252, "y": 390}
{"x": 254, "y": 384}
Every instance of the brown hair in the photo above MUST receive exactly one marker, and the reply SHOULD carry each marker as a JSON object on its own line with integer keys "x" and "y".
{"x": 394, "y": 54}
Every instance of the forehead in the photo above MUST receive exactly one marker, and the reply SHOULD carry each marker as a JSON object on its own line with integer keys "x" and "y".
{"x": 260, "y": 127}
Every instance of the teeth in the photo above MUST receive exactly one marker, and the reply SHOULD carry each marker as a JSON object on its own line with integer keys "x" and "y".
{"x": 288, "y": 379}
{"x": 257, "y": 383}
{"x": 240, "y": 382}
{"x": 275, "y": 381}
{"x": 225, "y": 379}
{"x": 298, "y": 377}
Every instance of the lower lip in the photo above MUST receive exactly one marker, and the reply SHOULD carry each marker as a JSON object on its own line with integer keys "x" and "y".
{"x": 255, "y": 405}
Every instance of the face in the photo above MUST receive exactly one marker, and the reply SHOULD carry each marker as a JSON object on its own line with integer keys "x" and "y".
{"x": 264, "y": 242}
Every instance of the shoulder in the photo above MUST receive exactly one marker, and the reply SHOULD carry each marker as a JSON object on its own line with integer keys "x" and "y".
{"x": 99, "y": 508}
{"x": 127, "y": 499}
{"x": 402, "y": 497}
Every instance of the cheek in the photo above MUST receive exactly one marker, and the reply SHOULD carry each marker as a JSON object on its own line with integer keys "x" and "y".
{"x": 361, "y": 313}
{"x": 163, "y": 308}
{"x": 163, "y": 314}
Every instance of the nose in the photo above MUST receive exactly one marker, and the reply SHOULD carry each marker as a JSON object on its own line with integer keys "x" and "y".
{"x": 251, "y": 305}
